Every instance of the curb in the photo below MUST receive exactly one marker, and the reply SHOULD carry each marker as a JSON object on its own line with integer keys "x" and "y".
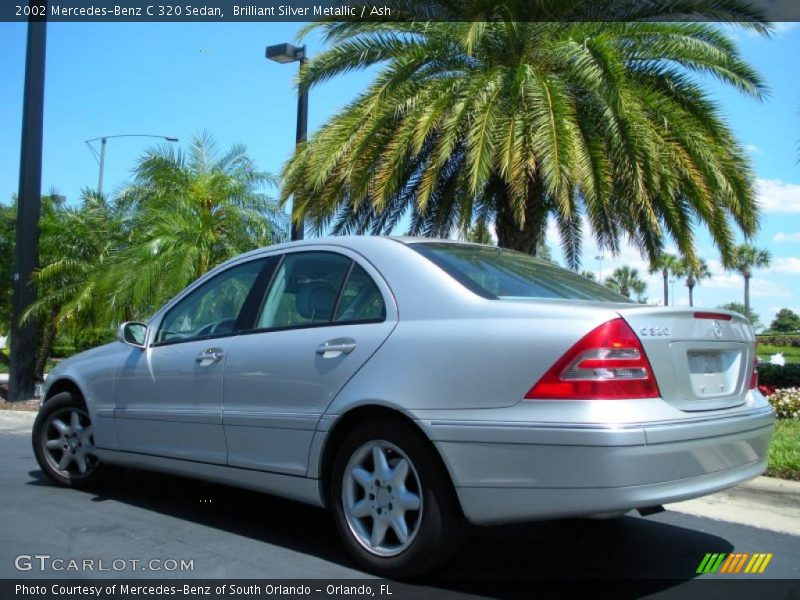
{"x": 764, "y": 502}
{"x": 17, "y": 421}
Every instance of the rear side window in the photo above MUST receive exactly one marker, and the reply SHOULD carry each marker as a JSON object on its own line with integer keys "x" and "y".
{"x": 317, "y": 288}
{"x": 304, "y": 290}
{"x": 361, "y": 299}
{"x": 505, "y": 274}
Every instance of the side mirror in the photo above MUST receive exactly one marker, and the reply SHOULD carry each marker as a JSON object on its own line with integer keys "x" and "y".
{"x": 133, "y": 334}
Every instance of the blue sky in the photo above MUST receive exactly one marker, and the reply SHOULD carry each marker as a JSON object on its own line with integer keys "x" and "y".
{"x": 180, "y": 79}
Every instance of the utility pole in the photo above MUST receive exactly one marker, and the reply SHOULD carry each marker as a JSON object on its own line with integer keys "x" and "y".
{"x": 103, "y": 142}
{"x": 25, "y": 336}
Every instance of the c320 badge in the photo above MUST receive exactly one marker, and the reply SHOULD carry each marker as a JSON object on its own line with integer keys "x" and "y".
{"x": 654, "y": 332}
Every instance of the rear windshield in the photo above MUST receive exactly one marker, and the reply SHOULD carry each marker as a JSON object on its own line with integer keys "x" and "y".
{"x": 505, "y": 274}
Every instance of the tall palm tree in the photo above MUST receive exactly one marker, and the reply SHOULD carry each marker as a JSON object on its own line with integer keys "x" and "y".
{"x": 627, "y": 281}
{"x": 514, "y": 119}
{"x": 186, "y": 213}
{"x": 695, "y": 272}
{"x": 747, "y": 257}
{"x": 668, "y": 264}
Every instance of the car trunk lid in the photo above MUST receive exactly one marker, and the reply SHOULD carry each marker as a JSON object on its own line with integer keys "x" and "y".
{"x": 702, "y": 359}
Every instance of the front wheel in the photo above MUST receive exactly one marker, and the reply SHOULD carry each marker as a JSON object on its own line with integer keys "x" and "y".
{"x": 63, "y": 443}
{"x": 392, "y": 500}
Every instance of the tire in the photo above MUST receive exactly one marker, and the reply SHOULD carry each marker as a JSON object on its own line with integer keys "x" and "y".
{"x": 63, "y": 441}
{"x": 369, "y": 512}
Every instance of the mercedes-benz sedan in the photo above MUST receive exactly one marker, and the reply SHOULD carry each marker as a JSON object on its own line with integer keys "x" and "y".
{"x": 409, "y": 385}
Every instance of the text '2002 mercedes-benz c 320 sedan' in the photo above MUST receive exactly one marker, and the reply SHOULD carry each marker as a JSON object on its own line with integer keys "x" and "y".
{"x": 410, "y": 384}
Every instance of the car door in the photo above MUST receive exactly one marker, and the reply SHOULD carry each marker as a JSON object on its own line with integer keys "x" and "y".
{"x": 168, "y": 399}
{"x": 324, "y": 315}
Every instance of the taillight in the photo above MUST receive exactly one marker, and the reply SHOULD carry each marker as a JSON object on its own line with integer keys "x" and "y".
{"x": 754, "y": 376}
{"x": 608, "y": 363}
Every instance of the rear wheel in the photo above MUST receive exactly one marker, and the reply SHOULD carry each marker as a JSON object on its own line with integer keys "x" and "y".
{"x": 63, "y": 443}
{"x": 392, "y": 501}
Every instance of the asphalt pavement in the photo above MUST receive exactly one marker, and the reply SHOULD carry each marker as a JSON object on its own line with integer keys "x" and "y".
{"x": 231, "y": 533}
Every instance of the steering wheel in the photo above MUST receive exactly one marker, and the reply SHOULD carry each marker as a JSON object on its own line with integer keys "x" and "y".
{"x": 216, "y": 327}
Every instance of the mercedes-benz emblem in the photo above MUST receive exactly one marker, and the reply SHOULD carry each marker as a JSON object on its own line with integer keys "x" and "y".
{"x": 717, "y": 329}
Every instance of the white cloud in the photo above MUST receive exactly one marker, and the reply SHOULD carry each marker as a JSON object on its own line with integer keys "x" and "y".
{"x": 760, "y": 288}
{"x": 785, "y": 26}
{"x": 723, "y": 281}
{"x": 777, "y": 196}
{"x": 789, "y": 264}
{"x": 753, "y": 149}
{"x": 786, "y": 237}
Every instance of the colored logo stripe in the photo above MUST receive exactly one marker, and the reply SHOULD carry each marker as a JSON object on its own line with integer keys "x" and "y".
{"x": 732, "y": 563}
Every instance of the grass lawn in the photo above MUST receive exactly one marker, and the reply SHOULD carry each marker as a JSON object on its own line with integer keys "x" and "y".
{"x": 790, "y": 353}
{"x": 784, "y": 452}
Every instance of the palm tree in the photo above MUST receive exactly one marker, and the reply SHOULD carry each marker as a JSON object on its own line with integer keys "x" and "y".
{"x": 588, "y": 275}
{"x": 513, "y": 120}
{"x": 745, "y": 258}
{"x": 75, "y": 245}
{"x": 695, "y": 272}
{"x": 480, "y": 234}
{"x": 668, "y": 264}
{"x": 626, "y": 281}
{"x": 188, "y": 212}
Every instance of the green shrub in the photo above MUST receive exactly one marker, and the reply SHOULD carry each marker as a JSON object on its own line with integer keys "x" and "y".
{"x": 777, "y": 376}
{"x": 62, "y": 351}
{"x": 786, "y": 403}
{"x": 777, "y": 339}
{"x": 83, "y": 339}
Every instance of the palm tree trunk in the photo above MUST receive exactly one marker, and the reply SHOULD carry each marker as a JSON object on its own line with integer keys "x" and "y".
{"x": 510, "y": 234}
{"x": 691, "y": 297}
{"x": 46, "y": 346}
{"x": 747, "y": 296}
{"x": 665, "y": 275}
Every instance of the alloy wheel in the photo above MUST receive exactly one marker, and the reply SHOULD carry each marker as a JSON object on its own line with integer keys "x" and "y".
{"x": 382, "y": 498}
{"x": 68, "y": 443}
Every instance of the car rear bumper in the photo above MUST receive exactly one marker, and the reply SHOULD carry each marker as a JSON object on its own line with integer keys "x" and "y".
{"x": 506, "y": 472}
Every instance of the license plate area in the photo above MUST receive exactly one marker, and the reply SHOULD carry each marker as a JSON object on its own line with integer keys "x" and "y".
{"x": 710, "y": 374}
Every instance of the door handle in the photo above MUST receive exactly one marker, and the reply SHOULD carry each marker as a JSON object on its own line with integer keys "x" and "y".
{"x": 212, "y": 355}
{"x": 337, "y": 347}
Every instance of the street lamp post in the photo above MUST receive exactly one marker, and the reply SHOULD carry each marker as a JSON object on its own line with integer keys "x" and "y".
{"x": 287, "y": 53}
{"x": 599, "y": 258}
{"x": 101, "y": 156}
{"x": 672, "y": 290}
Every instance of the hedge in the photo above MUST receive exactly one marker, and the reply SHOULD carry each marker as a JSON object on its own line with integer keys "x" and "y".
{"x": 777, "y": 339}
{"x": 778, "y": 376}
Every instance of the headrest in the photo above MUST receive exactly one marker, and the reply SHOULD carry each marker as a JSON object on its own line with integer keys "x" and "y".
{"x": 315, "y": 300}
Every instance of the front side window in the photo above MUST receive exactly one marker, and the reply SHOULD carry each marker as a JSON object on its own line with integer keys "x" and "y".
{"x": 213, "y": 308}
{"x": 304, "y": 290}
{"x": 505, "y": 274}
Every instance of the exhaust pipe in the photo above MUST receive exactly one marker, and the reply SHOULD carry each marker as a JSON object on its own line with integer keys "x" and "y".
{"x": 646, "y": 511}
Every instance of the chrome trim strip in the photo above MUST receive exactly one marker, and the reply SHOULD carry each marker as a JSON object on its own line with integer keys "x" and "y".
{"x": 597, "y": 426}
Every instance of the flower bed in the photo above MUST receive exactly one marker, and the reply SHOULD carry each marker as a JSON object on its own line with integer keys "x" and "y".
{"x": 785, "y": 401}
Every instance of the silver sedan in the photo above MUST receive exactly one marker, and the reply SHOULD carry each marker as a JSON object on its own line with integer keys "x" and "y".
{"x": 411, "y": 385}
